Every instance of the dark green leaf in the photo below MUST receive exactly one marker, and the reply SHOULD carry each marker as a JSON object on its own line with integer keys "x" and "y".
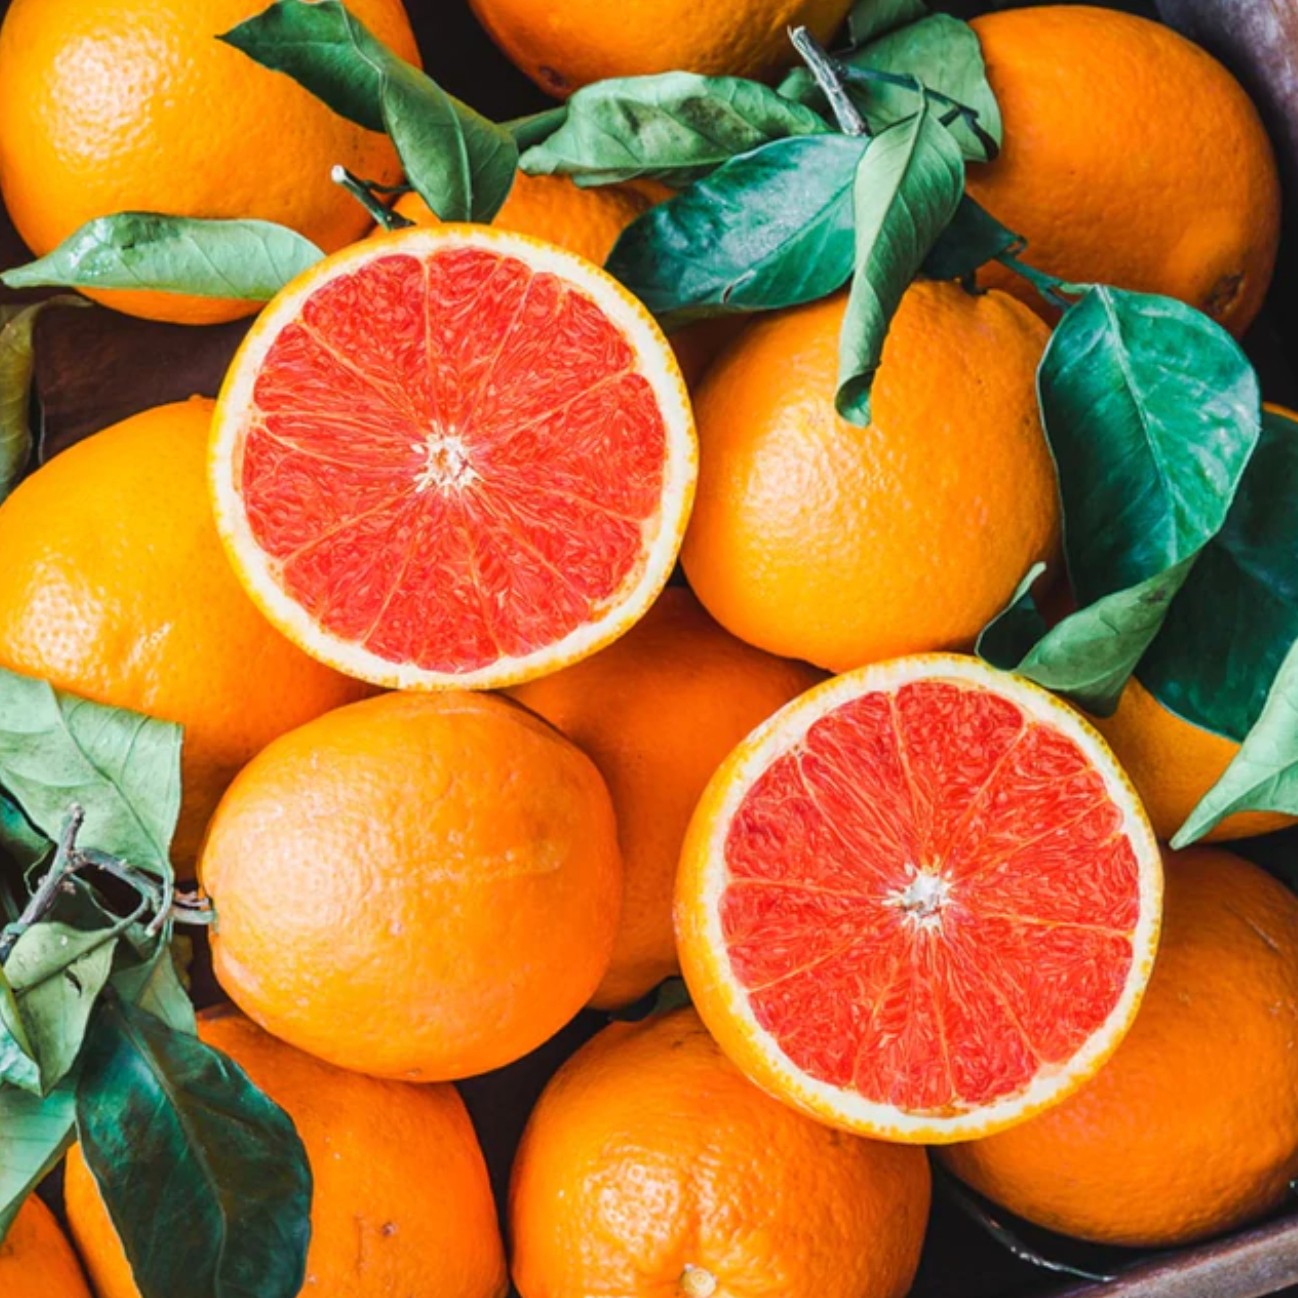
{"x": 152, "y": 980}
{"x": 1230, "y": 628}
{"x": 57, "y": 973}
{"x": 121, "y": 767}
{"x": 17, "y": 326}
{"x": 531, "y": 130}
{"x": 769, "y": 229}
{"x": 872, "y": 18}
{"x": 908, "y": 185}
{"x": 249, "y": 260}
{"x": 1152, "y": 412}
{"x": 322, "y": 47}
{"x": 18, "y": 1064}
{"x": 973, "y": 238}
{"x": 938, "y": 56}
{"x": 34, "y": 1134}
{"x": 20, "y": 840}
{"x": 184, "y": 1146}
{"x": 676, "y": 127}
{"x": 461, "y": 164}
{"x": 1264, "y": 774}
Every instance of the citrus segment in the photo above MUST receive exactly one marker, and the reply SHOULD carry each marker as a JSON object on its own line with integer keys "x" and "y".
{"x": 921, "y": 901}
{"x": 454, "y": 456}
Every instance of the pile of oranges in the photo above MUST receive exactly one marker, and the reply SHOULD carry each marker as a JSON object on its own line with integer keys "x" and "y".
{"x": 366, "y": 981}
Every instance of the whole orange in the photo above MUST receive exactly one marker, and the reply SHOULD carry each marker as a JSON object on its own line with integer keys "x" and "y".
{"x": 816, "y": 539}
{"x": 115, "y": 586}
{"x": 1131, "y": 158}
{"x": 563, "y": 47}
{"x": 657, "y": 711}
{"x": 1192, "y": 1127}
{"x": 652, "y": 1167}
{"x": 554, "y": 208}
{"x": 35, "y": 1259}
{"x": 135, "y": 105}
{"x": 400, "y": 1188}
{"x": 1173, "y": 763}
{"x": 420, "y": 886}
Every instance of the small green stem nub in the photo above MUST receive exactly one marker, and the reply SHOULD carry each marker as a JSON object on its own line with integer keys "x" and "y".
{"x": 382, "y": 214}
{"x": 826, "y": 73}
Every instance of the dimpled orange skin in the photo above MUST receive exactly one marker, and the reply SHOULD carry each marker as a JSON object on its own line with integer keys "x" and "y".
{"x": 400, "y": 1205}
{"x": 1131, "y": 157}
{"x": 418, "y": 886}
{"x": 1192, "y": 1127}
{"x": 115, "y": 586}
{"x": 657, "y": 711}
{"x": 651, "y": 1167}
{"x": 815, "y": 539}
{"x": 585, "y": 221}
{"x": 565, "y": 46}
{"x": 134, "y": 105}
{"x": 36, "y": 1261}
{"x": 1173, "y": 763}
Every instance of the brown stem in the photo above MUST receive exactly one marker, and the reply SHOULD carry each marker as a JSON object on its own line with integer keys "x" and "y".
{"x": 64, "y": 865}
{"x": 821, "y": 66}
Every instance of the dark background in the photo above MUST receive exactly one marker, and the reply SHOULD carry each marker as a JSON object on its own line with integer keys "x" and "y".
{"x": 96, "y": 367}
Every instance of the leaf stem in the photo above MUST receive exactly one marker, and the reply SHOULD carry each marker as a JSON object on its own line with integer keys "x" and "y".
{"x": 64, "y": 865}
{"x": 1051, "y": 287}
{"x": 828, "y": 78}
{"x": 357, "y": 188}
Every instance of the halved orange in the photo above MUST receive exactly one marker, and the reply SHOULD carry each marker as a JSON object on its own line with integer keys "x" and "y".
{"x": 921, "y": 902}
{"x": 453, "y": 457}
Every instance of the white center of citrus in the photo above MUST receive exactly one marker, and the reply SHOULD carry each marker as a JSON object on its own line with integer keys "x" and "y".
{"x": 697, "y": 1283}
{"x": 923, "y": 898}
{"x": 446, "y": 464}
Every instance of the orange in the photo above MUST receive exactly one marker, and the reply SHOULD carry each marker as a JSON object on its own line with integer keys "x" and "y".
{"x": 114, "y": 586}
{"x": 453, "y": 456}
{"x": 134, "y": 105}
{"x": 1131, "y": 158}
{"x": 35, "y": 1259}
{"x": 563, "y": 47}
{"x": 1192, "y": 1128}
{"x": 1173, "y": 763}
{"x": 557, "y": 210}
{"x": 816, "y": 539}
{"x": 416, "y": 886}
{"x": 400, "y": 1188}
{"x": 657, "y": 711}
{"x": 652, "y": 1169}
{"x": 921, "y": 902}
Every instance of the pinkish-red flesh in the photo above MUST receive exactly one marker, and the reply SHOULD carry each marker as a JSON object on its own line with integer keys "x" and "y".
{"x": 932, "y": 1002}
{"x": 452, "y": 459}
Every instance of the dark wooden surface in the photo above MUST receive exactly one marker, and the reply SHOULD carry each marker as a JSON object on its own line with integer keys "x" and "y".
{"x": 96, "y": 367}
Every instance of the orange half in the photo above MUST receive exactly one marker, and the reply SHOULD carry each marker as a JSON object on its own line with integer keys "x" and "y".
{"x": 921, "y": 902}
{"x": 453, "y": 457}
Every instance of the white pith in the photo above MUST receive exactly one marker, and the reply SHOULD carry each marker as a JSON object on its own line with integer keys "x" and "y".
{"x": 845, "y": 1107}
{"x": 446, "y": 466}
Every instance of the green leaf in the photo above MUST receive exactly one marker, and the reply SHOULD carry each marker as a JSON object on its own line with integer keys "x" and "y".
{"x": 17, "y": 362}
{"x": 677, "y": 127}
{"x": 34, "y": 1134}
{"x": 121, "y": 767}
{"x": 184, "y": 1147}
{"x": 769, "y": 229}
{"x": 18, "y": 1065}
{"x": 1231, "y": 627}
{"x": 1152, "y": 412}
{"x": 1264, "y": 773}
{"x": 937, "y": 57}
{"x": 907, "y": 187}
{"x": 20, "y": 840}
{"x": 152, "y": 980}
{"x": 872, "y": 18}
{"x": 248, "y": 260}
{"x": 57, "y": 973}
{"x": 973, "y": 238}
{"x": 461, "y": 164}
